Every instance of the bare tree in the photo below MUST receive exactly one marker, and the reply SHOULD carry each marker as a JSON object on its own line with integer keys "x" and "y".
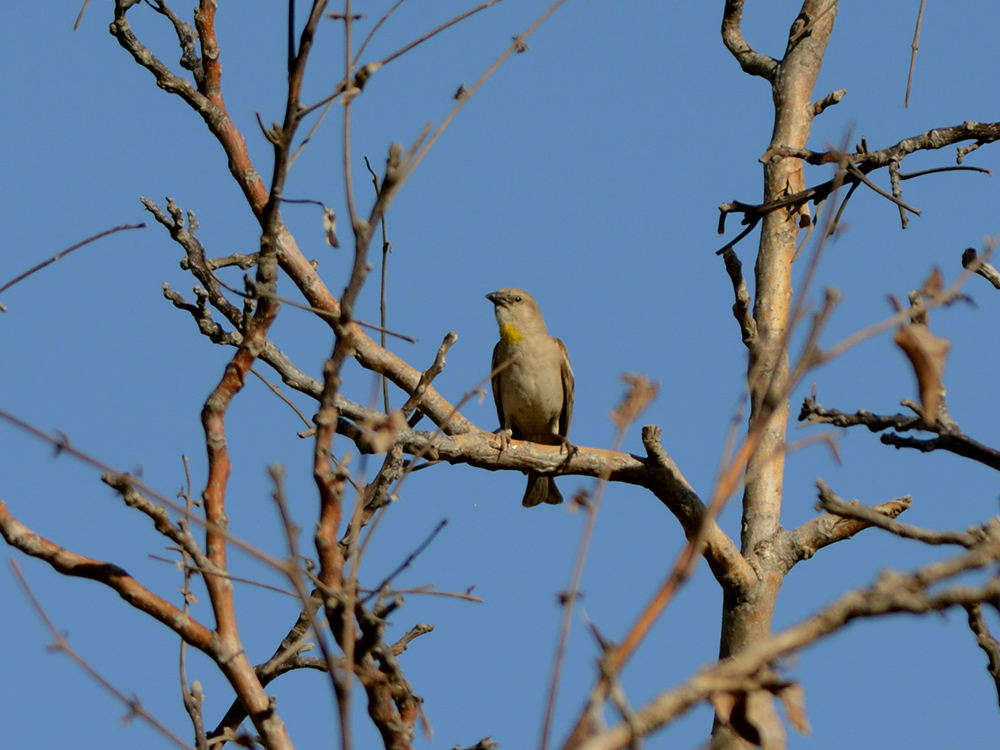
{"x": 341, "y": 628}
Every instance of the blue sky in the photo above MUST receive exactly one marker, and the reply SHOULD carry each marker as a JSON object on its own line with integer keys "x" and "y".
{"x": 588, "y": 171}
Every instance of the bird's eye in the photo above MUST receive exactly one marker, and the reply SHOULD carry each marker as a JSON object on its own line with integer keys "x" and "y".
{"x": 517, "y": 299}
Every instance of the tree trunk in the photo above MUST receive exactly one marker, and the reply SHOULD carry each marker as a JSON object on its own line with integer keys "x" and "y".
{"x": 747, "y": 613}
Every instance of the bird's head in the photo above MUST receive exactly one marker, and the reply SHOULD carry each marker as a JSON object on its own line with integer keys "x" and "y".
{"x": 517, "y": 314}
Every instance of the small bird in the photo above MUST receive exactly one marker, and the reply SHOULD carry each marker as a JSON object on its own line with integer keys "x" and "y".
{"x": 534, "y": 391}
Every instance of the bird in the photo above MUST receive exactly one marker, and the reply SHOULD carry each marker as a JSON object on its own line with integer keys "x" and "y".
{"x": 532, "y": 384}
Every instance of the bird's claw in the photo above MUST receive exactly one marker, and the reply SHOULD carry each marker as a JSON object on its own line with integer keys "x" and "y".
{"x": 571, "y": 450}
{"x": 503, "y": 439}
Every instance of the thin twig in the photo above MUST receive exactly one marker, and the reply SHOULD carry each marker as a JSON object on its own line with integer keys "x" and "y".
{"x": 328, "y": 102}
{"x": 433, "y": 32}
{"x": 62, "y": 445}
{"x": 293, "y": 571}
{"x": 376, "y": 27}
{"x": 428, "y": 375}
{"x": 935, "y": 170}
{"x": 192, "y": 696}
{"x": 191, "y": 568}
{"x": 386, "y": 249}
{"x": 64, "y": 253}
{"x": 274, "y": 389}
{"x": 730, "y": 476}
{"x": 429, "y": 590}
{"x": 518, "y": 45}
{"x": 133, "y": 703}
{"x": 79, "y": 16}
{"x": 322, "y": 313}
{"x": 948, "y": 296}
{"x": 640, "y": 393}
{"x": 913, "y": 53}
{"x": 858, "y": 174}
{"x": 348, "y": 75}
{"x": 893, "y": 592}
{"x": 466, "y": 397}
{"x": 408, "y": 561}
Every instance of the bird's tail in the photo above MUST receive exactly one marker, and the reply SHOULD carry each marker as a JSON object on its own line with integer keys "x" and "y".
{"x": 541, "y": 489}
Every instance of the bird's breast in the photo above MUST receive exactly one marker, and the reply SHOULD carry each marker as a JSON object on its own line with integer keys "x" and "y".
{"x": 532, "y": 396}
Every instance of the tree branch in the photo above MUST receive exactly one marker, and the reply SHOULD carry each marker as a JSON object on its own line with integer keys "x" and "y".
{"x": 70, "y": 563}
{"x": 829, "y": 501}
{"x": 664, "y": 479}
{"x": 741, "y": 307}
{"x": 971, "y": 261}
{"x": 61, "y": 644}
{"x": 834, "y": 526}
{"x": 949, "y": 437}
{"x": 986, "y": 641}
{"x": 892, "y": 593}
{"x": 860, "y": 164}
{"x": 754, "y": 63}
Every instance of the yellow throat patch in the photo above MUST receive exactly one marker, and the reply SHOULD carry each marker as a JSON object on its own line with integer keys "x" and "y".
{"x": 509, "y": 334}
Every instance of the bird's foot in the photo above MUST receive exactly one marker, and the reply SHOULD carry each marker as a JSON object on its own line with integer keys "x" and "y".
{"x": 566, "y": 445}
{"x": 570, "y": 449}
{"x": 503, "y": 439}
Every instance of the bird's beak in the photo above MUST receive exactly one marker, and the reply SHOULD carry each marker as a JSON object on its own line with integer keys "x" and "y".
{"x": 494, "y": 297}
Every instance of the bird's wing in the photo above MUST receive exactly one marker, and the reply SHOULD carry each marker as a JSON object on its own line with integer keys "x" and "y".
{"x": 567, "y": 384}
{"x": 495, "y": 383}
